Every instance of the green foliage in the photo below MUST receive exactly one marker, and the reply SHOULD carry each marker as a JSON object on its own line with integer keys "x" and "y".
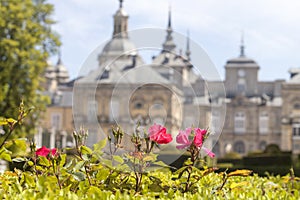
{"x": 26, "y": 41}
{"x": 15, "y": 147}
{"x": 158, "y": 185}
{"x": 92, "y": 173}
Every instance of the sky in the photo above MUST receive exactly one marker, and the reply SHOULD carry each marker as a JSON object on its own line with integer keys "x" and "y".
{"x": 271, "y": 29}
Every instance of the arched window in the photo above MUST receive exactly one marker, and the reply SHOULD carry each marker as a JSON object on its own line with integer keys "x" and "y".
{"x": 239, "y": 147}
{"x": 239, "y": 122}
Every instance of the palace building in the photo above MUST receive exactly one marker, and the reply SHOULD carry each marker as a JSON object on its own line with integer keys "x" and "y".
{"x": 124, "y": 90}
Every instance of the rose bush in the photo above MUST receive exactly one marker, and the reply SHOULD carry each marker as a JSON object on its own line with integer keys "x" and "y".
{"x": 91, "y": 173}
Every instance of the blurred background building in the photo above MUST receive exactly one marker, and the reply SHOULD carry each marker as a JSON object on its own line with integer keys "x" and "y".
{"x": 168, "y": 91}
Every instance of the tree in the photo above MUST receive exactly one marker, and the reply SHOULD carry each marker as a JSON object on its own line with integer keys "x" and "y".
{"x": 26, "y": 42}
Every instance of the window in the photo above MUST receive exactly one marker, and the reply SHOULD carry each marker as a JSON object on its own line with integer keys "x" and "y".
{"x": 296, "y": 130}
{"x": 46, "y": 138}
{"x": 56, "y": 121}
{"x": 296, "y": 146}
{"x": 262, "y": 145}
{"x": 138, "y": 105}
{"x": 297, "y": 106}
{"x": 114, "y": 110}
{"x": 158, "y": 106}
{"x": 239, "y": 147}
{"x": 215, "y": 122}
{"x": 241, "y": 86}
{"x": 239, "y": 122}
{"x": 92, "y": 110}
{"x": 263, "y": 123}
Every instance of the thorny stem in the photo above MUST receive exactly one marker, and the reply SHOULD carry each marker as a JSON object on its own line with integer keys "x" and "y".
{"x": 12, "y": 126}
{"x": 56, "y": 173}
{"x": 11, "y": 129}
{"x": 224, "y": 182}
{"x": 85, "y": 167}
{"x": 194, "y": 155}
{"x": 80, "y": 155}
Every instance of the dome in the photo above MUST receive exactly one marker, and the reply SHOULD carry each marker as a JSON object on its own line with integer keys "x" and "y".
{"x": 121, "y": 12}
{"x": 116, "y": 47}
{"x": 50, "y": 71}
{"x": 62, "y": 73}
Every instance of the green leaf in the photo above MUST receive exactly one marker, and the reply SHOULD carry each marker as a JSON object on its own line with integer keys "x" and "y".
{"x": 85, "y": 150}
{"x": 119, "y": 159}
{"x": 30, "y": 163}
{"x": 79, "y": 176}
{"x": 43, "y": 161}
{"x": 3, "y": 121}
{"x": 18, "y": 147}
{"x": 11, "y": 120}
{"x": 79, "y": 165}
{"x": 29, "y": 179}
{"x": 181, "y": 171}
{"x": 85, "y": 157}
{"x": 69, "y": 164}
{"x": 63, "y": 159}
{"x": 100, "y": 145}
{"x": 107, "y": 163}
{"x": 5, "y": 154}
{"x": 241, "y": 172}
{"x": 162, "y": 164}
{"x": 150, "y": 157}
{"x": 19, "y": 159}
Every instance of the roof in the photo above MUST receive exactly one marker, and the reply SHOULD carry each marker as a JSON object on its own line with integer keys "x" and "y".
{"x": 170, "y": 59}
{"x": 295, "y": 79}
{"x": 241, "y": 61}
{"x": 122, "y": 71}
{"x": 116, "y": 47}
{"x": 61, "y": 98}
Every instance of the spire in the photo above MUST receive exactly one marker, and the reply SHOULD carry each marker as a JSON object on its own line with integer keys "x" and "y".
{"x": 120, "y": 22}
{"x": 59, "y": 61}
{"x": 169, "y": 44}
{"x": 170, "y": 18}
{"x": 188, "y": 51}
{"x": 242, "y": 47}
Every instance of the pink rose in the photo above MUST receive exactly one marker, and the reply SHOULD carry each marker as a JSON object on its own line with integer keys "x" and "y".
{"x": 199, "y": 136}
{"x": 208, "y": 152}
{"x": 158, "y": 134}
{"x": 183, "y": 139}
{"x": 44, "y": 151}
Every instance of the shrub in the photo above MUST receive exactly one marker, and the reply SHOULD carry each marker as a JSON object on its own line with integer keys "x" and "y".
{"x": 90, "y": 173}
